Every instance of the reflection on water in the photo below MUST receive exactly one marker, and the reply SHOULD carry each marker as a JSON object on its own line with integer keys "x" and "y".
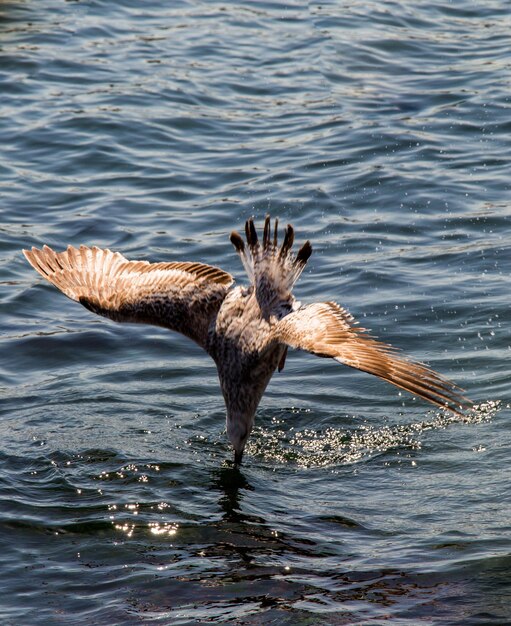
{"x": 230, "y": 480}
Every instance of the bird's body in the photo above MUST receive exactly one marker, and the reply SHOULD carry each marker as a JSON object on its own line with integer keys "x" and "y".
{"x": 246, "y": 330}
{"x": 246, "y": 355}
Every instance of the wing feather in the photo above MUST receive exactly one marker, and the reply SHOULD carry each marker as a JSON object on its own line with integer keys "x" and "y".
{"x": 328, "y": 330}
{"x": 181, "y": 296}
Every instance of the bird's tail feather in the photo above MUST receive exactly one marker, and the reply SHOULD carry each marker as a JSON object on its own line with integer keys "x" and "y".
{"x": 271, "y": 269}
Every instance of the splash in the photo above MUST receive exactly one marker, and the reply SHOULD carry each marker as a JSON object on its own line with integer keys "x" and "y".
{"x": 334, "y": 446}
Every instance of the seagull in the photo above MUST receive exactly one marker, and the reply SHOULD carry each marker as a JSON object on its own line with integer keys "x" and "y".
{"x": 247, "y": 330}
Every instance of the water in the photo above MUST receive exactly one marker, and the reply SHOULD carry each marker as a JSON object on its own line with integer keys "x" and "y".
{"x": 381, "y": 131}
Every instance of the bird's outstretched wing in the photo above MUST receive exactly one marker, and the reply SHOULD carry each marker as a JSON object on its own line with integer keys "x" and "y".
{"x": 327, "y": 330}
{"x": 179, "y": 296}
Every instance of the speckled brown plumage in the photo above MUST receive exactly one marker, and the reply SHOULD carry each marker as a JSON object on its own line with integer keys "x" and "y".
{"x": 246, "y": 330}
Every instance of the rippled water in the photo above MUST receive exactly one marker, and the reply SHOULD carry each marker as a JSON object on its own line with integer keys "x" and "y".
{"x": 381, "y": 131}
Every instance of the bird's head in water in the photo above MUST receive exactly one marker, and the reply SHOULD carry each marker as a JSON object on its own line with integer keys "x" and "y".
{"x": 239, "y": 428}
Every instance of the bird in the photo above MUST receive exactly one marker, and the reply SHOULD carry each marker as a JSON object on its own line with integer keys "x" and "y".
{"x": 247, "y": 330}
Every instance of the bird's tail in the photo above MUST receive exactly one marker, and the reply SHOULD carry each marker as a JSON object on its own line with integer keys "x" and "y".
{"x": 272, "y": 269}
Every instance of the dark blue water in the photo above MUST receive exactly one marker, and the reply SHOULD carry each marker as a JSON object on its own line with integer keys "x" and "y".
{"x": 381, "y": 130}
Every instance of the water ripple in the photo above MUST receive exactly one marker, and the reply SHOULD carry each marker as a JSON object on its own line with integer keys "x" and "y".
{"x": 381, "y": 131}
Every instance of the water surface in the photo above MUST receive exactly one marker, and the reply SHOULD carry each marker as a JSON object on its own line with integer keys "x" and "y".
{"x": 381, "y": 131}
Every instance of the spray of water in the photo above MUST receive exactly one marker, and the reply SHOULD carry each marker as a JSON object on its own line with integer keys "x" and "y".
{"x": 334, "y": 446}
